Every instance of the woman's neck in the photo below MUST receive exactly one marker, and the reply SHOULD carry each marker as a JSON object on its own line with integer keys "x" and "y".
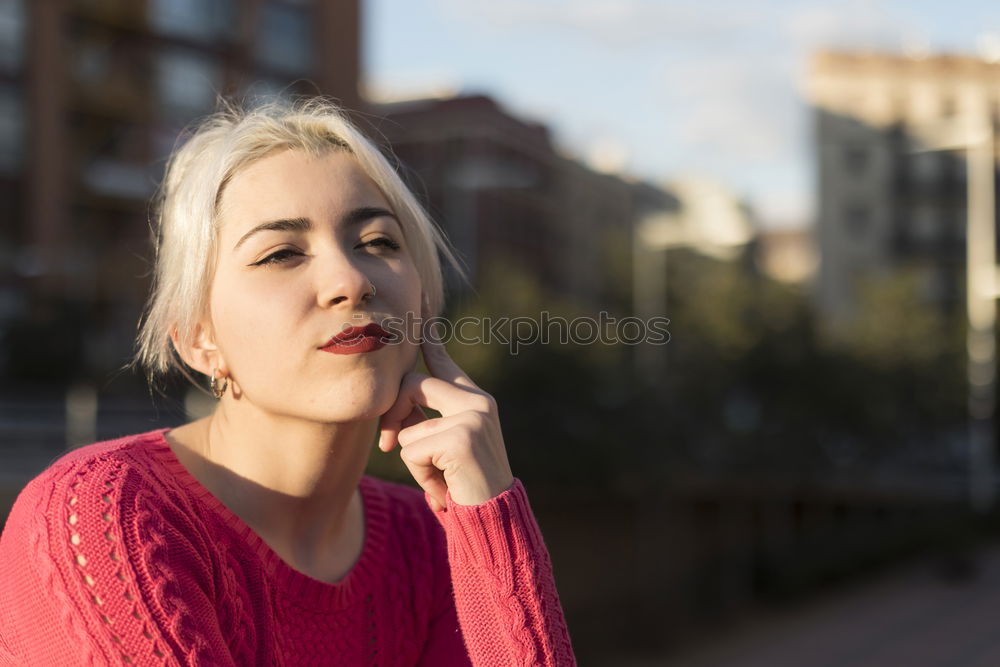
{"x": 294, "y": 482}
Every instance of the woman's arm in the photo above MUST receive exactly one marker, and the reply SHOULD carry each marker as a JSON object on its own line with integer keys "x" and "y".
{"x": 94, "y": 573}
{"x": 504, "y": 592}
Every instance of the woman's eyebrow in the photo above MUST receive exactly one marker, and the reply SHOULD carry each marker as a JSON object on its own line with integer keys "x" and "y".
{"x": 354, "y": 217}
{"x": 366, "y": 213}
{"x": 283, "y": 225}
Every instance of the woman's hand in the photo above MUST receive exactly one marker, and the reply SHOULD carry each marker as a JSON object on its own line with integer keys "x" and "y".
{"x": 462, "y": 451}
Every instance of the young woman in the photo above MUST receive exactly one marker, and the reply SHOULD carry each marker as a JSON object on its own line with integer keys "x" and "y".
{"x": 293, "y": 272}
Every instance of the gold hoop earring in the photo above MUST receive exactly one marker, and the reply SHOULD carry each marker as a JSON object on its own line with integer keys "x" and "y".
{"x": 218, "y": 391}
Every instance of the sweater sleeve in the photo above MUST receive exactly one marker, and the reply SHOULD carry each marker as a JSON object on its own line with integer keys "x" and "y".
{"x": 504, "y": 591}
{"x": 6, "y": 655}
{"x": 98, "y": 569}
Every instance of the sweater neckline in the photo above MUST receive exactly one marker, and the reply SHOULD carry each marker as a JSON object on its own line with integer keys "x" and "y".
{"x": 299, "y": 586}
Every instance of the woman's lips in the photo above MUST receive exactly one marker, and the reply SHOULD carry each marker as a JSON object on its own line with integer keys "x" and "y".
{"x": 357, "y": 339}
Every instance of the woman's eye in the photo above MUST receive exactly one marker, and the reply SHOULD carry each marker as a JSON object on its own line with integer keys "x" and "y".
{"x": 287, "y": 254}
{"x": 382, "y": 241}
{"x": 278, "y": 257}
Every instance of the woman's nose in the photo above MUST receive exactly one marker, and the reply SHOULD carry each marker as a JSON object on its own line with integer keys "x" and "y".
{"x": 342, "y": 281}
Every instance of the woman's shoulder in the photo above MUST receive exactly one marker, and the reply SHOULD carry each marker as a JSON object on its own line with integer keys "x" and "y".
{"x": 93, "y": 484}
{"x": 110, "y": 508}
{"x": 105, "y": 547}
{"x": 138, "y": 452}
{"x": 124, "y": 449}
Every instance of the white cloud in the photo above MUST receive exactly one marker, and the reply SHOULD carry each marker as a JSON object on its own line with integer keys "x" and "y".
{"x": 726, "y": 101}
{"x": 738, "y": 108}
{"x": 988, "y": 46}
{"x": 607, "y": 154}
{"x": 853, "y": 24}
{"x": 611, "y": 22}
{"x": 410, "y": 84}
{"x": 788, "y": 206}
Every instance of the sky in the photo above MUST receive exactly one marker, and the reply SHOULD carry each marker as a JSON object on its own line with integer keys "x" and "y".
{"x": 659, "y": 89}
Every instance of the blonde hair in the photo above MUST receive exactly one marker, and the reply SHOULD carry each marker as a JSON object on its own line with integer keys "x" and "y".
{"x": 186, "y": 213}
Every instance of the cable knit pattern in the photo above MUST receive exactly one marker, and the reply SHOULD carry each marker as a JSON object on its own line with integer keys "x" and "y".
{"x": 116, "y": 555}
{"x": 499, "y": 561}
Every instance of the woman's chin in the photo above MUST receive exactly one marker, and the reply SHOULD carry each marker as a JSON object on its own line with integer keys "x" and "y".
{"x": 359, "y": 406}
{"x": 356, "y": 397}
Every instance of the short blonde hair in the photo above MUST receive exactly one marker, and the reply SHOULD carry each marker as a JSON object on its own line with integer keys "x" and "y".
{"x": 186, "y": 211}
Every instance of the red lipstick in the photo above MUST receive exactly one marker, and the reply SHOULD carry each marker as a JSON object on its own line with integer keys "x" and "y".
{"x": 355, "y": 340}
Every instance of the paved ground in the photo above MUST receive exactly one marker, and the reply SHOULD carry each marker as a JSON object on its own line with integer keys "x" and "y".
{"x": 914, "y": 617}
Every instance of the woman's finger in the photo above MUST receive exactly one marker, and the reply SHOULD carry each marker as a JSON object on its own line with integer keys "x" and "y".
{"x": 442, "y": 366}
{"x": 421, "y": 430}
{"x": 436, "y": 356}
{"x": 418, "y": 389}
{"x": 419, "y": 460}
{"x": 472, "y": 475}
{"x": 415, "y": 417}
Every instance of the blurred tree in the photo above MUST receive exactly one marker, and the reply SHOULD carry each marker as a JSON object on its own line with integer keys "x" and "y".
{"x": 750, "y": 385}
{"x": 749, "y": 369}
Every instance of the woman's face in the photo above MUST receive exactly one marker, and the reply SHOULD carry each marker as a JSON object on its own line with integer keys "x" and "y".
{"x": 302, "y": 240}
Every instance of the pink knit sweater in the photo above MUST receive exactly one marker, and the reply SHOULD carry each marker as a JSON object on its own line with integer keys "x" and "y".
{"x": 117, "y": 555}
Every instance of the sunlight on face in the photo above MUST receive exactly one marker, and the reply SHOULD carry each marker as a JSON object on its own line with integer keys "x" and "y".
{"x": 302, "y": 240}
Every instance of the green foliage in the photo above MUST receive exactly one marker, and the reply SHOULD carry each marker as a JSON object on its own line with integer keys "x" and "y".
{"x": 897, "y": 326}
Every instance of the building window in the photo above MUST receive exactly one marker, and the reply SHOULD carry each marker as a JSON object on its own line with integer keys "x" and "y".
{"x": 109, "y": 176}
{"x": 112, "y": 155}
{"x": 927, "y": 222}
{"x": 857, "y": 219}
{"x": 953, "y": 223}
{"x": 11, "y": 128}
{"x": 92, "y": 61}
{"x": 268, "y": 89}
{"x": 933, "y": 285}
{"x": 187, "y": 82}
{"x": 200, "y": 20}
{"x": 855, "y": 159}
{"x": 285, "y": 40}
{"x": 109, "y": 72}
{"x": 926, "y": 167}
{"x": 949, "y": 106}
{"x": 12, "y": 37}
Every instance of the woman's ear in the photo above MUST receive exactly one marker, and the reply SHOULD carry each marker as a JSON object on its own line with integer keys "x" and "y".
{"x": 200, "y": 352}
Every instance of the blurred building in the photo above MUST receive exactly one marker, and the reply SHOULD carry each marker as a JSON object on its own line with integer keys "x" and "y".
{"x": 93, "y": 94}
{"x": 891, "y": 169}
{"x": 787, "y": 255}
{"x": 504, "y": 194}
{"x": 708, "y": 218}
